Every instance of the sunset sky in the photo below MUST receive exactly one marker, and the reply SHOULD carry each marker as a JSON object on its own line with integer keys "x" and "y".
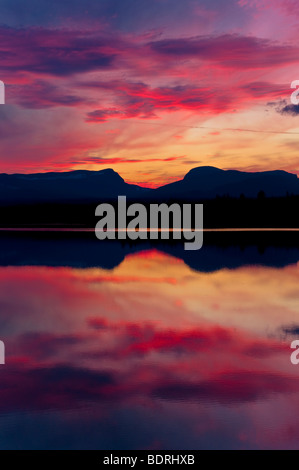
{"x": 148, "y": 88}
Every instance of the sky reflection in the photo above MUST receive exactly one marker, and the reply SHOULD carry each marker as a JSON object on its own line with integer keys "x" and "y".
{"x": 149, "y": 355}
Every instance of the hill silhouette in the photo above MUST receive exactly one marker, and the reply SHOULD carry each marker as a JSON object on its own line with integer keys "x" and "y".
{"x": 71, "y": 186}
{"x": 208, "y": 182}
{"x": 231, "y": 198}
{"x": 199, "y": 183}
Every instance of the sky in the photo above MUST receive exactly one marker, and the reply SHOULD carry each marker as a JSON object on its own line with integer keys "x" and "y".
{"x": 150, "y": 89}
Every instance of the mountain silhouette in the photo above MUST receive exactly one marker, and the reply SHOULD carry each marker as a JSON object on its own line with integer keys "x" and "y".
{"x": 208, "y": 182}
{"x": 71, "y": 186}
{"x": 231, "y": 198}
{"x": 199, "y": 183}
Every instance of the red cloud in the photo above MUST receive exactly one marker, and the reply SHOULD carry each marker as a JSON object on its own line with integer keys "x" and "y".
{"x": 142, "y": 101}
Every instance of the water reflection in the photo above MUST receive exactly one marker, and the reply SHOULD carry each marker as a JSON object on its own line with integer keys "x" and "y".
{"x": 150, "y": 354}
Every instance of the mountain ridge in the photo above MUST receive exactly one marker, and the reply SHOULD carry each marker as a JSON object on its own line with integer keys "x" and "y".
{"x": 204, "y": 182}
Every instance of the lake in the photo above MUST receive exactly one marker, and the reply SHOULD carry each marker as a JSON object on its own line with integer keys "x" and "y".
{"x": 114, "y": 345}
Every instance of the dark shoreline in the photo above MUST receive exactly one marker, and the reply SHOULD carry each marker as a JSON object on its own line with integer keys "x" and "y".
{"x": 219, "y": 213}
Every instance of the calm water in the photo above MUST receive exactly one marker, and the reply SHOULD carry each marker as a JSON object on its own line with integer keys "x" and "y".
{"x": 112, "y": 346}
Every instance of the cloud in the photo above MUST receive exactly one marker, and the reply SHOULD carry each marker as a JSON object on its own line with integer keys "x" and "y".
{"x": 266, "y": 90}
{"x": 290, "y": 109}
{"x": 62, "y": 76}
{"x": 41, "y": 94}
{"x": 229, "y": 51}
{"x": 140, "y": 100}
{"x": 65, "y": 52}
{"x": 288, "y": 7}
{"x": 54, "y": 52}
{"x": 115, "y": 160}
{"x": 292, "y": 330}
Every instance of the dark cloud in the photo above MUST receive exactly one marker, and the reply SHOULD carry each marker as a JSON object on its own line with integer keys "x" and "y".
{"x": 42, "y": 94}
{"x": 290, "y": 109}
{"x": 228, "y": 50}
{"x": 54, "y": 52}
{"x": 102, "y": 115}
{"x": 282, "y": 107}
{"x": 292, "y": 330}
{"x": 263, "y": 89}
